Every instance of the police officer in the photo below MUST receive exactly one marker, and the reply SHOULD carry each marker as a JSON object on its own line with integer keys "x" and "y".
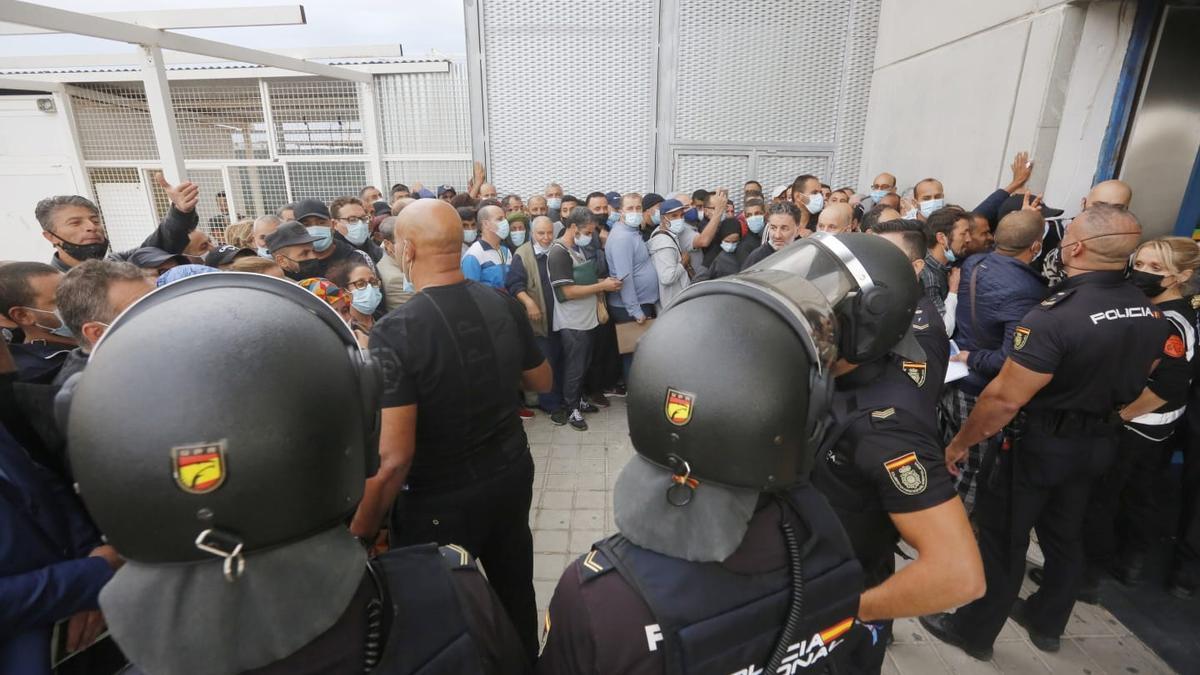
{"x": 712, "y": 507}
{"x": 928, "y": 375}
{"x": 880, "y": 464}
{"x": 1076, "y": 359}
{"x": 224, "y": 481}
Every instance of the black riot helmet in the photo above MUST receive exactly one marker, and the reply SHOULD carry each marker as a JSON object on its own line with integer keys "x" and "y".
{"x": 867, "y": 280}
{"x": 223, "y": 411}
{"x": 752, "y": 414}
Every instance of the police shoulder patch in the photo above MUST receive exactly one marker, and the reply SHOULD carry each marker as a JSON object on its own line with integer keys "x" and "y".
{"x": 593, "y": 565}
{"x": 1057, "y": 298}
{"x": 456, "y": 557}
{"x": 907, "y": 474}
{"x": 1021, "y": 337}
{"x": 916, "y": 371}
{"x": 919, "y": 320}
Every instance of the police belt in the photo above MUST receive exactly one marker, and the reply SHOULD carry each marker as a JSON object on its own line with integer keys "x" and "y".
{"x": 1070, "y": 423}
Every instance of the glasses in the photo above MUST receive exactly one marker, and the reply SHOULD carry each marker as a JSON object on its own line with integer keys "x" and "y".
{"x": 362, "y": 283}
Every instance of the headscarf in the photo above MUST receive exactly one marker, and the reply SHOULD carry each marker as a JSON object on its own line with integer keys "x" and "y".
{"x": 327, "y": 291}
{"x": 727, "y": 227}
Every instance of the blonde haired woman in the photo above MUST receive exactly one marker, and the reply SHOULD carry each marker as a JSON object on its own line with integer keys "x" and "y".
{"x": 1125, "y": 513}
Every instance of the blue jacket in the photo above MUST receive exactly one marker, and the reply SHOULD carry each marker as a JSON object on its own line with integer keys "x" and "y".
{"x": 1005, "y": 290}
{"x": 45, "y": 574}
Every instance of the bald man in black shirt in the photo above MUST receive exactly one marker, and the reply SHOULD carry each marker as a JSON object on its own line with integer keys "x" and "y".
{"x": 454, "y": 456}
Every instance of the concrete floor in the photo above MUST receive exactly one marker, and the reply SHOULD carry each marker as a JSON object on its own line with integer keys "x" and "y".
{"x": 572, "y": 508}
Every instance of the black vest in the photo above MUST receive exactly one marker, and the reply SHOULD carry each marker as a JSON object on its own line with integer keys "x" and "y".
{"x": 717, "y": 621}
{"x": 429, "y": 633}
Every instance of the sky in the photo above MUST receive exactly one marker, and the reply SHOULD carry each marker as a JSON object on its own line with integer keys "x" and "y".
{"x": 418, "y": 25}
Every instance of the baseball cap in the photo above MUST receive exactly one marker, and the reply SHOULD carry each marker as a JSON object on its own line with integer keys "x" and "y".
{"x": 650, "y": 200}
{"x": 670, "y": 205}
{"x": 290, "y": 233}
{"x": 614, "y": 199}
{"x": 150, "y": 257}
{"x": 225, "y": 254}
{"x": 707, "y": 528}
{"x": 778, "y": 192}
{"x": 311, "y": 207}
{"x": 424, "y": 193}
{"x": 443, "y": 189}
{"x": 1015, "y": 202}
{"x": 381, "y": 208}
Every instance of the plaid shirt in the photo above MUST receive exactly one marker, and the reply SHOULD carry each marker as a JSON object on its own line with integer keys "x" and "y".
{"x": 935, "y": 279}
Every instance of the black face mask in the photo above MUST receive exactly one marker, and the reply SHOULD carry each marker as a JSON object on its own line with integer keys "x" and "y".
{"x": 82, "y": 252}
{"x": 307, "y": 269}
{"x": 1150, "y": 284}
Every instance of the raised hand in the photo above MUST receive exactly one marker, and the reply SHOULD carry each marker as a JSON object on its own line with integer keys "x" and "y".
{"x": 184, "y": 196}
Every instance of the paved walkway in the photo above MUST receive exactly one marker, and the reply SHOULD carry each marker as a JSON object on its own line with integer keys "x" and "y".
{"x": 572, "y": 507}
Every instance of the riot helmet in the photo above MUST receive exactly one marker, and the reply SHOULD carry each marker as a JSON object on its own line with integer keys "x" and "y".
{"x": 223, "y": 412}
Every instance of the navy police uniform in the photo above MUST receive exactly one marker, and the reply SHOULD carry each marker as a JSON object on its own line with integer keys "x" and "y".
{"x": 1123, "y": 517}
{"x": 1098, "y": 337}
{"x": 387, "y": 628}
{"x": 929, "y": 376}
{"x": 881, "y": 456}
{"x": 625, "y": 609}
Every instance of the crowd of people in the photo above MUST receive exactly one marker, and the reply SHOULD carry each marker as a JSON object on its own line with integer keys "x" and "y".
{"x": 480, "y": 310}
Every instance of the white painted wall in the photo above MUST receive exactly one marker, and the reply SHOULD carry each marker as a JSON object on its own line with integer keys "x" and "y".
{"x": 37, "y": 159}
{"x": 959, "y": 88}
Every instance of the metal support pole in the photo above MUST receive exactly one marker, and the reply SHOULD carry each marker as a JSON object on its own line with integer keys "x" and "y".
{"x": 162, "y": 116}
{"x": 372, "y": 136}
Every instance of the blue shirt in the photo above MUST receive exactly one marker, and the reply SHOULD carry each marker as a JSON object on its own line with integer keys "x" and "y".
{"x": 45, "y": 572}
{"x": 485, "y": 264}
{"x": 629, "y": 261}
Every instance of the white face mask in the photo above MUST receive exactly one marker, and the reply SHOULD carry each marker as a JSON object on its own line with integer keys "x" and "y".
{"x": 815, "y": 203}
{"x": 676, "y": 226}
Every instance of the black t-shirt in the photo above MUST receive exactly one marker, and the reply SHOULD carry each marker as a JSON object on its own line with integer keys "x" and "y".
{"x": 888, "y": 459}
{"x": 1098, "y": 336}
{"x": 457, "y": 352}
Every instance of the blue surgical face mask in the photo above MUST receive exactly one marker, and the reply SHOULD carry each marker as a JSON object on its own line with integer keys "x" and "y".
{"x": 950, "y": 257}
{"x": 876, "y": 195}
{"x": 264, "y": 252}
{"x": 366, "y": 300}
{"x": 324, "y": 237}
{"x": 583, "y": 240}
{"x": 656, "y": 218}
{"x": 357, "y": 231}
{"x": 61, "y": 331}
{"x": 677, "y": 225}
{"x": 756, "y": 223}
{"x": 553, "y": 203}
{"x": 502, "y": 229}
{"x": 930, "y": 205}
{"x": 538, "y": 249}
{"x": 815, "y": 203}
{"x": 633, "y": 219}
{"x": 517, "y": 238}
{"x": 408, "y": 287}
{"x": 613, "y": 218}
{"x": 469, "y": 235}
{"x": 729, "y": 246}
{"x": 911, "y": 215}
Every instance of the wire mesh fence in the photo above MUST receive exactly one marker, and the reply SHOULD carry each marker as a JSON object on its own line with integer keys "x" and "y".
{"x": 223, "y": 119}
{"x": 316, "y": 117}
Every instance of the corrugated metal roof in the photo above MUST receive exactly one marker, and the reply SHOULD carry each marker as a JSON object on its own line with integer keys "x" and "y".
{"x": 221, "y": 66}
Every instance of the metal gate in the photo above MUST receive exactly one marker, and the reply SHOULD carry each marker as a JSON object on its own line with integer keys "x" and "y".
{"x": 674, "y": 94}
